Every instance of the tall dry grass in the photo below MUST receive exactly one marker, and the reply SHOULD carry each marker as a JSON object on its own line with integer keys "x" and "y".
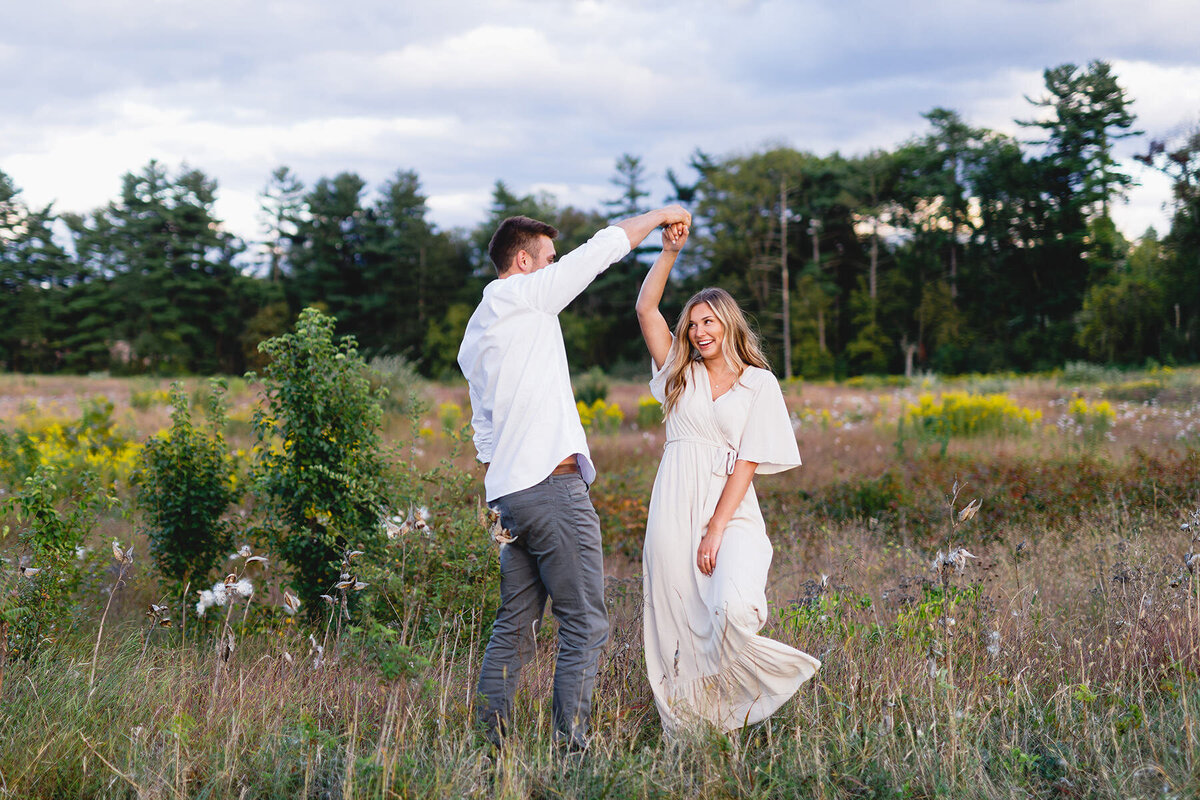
{"x": 1060, "y": 662}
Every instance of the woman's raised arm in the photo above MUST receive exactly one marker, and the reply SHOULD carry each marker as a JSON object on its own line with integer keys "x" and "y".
{"x": 654, "y": 326}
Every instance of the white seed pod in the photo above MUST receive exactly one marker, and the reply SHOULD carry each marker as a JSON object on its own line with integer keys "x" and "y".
{"x": 291, "y": 603}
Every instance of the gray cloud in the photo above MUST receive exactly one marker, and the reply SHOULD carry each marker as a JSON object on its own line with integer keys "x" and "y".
{"x": 534, "y": 93}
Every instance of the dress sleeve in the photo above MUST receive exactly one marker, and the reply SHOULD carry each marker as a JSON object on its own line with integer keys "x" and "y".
{"x": 658, "y": 376}
{"x": 768, "y": 438}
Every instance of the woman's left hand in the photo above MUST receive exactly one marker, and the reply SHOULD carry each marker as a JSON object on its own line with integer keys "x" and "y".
{"x": 706, "y": 554}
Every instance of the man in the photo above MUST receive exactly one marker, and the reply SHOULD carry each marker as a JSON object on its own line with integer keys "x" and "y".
{"x": 529, "y": 438}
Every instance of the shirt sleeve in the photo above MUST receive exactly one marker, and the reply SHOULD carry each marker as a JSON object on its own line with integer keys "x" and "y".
{"x": 551, "y": 289}
{"x": 768, "y": 438}
{"x": 481, "y": 424}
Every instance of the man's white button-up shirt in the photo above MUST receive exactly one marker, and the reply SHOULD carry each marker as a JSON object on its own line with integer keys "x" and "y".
{"x": 522, "y": 406}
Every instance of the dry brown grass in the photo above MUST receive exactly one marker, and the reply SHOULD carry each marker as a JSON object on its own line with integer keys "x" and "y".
{"x": 1069, "y": 669}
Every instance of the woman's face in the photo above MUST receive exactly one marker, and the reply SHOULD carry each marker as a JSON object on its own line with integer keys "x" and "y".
{"x": 705, "y": 331}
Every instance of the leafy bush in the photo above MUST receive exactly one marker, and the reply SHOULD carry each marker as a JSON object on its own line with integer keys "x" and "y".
{"x": 318, "y": 469}
{"x": 53, "y": 563}
{"x": 185, "y": 484}
{"x": 962, "y": 414}
{"x": 1091, "y": 422}
{"x": 91, "y": 444}
{"x": 876, "y": 382}
{"x": 649, "y": 412}
{"x": 591, "y": 386}
{"x": 400, "y": 378}
{"x": 1137, "y": 391}
{"x": 451, "y": 417}
{"x": 143, "y": 399}
{"x": 438, "y": 560}
{"x": 1077, "y": 372}
{"x": 600, "y": 417}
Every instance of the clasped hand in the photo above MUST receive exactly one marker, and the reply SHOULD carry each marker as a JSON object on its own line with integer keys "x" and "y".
{"x": 674, "y": 236}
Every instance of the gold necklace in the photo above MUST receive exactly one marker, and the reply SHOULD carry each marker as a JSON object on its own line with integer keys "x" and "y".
{"x": 716, "y": 385}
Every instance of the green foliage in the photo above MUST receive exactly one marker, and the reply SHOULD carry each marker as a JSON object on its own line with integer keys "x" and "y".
{"x": 438, "y": 560}
{"x": 93, "y": 444}
{"x": 319, "y": 470}
{"x": 649, "y": 413}
{"x": 401, "y": 382}
{"x": 185, "y": 485}
{"x": 979, "y": 224}
{"x": 1091, "y": 421}
{"x": 36, "y": 602}
{"x": 600, "y": 417}
{"x": 963, "y": 414}
{"x": 1083, "y": 372}
{"x": 591, "y": 386}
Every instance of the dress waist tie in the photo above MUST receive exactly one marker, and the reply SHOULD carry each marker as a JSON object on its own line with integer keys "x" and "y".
{"x": 723, "y": 461}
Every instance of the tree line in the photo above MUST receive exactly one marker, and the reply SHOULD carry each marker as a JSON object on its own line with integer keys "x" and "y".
{"x": 959, "y": 250}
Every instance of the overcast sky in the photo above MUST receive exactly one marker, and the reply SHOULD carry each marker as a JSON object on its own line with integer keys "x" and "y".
{"x": 543, "y": 94}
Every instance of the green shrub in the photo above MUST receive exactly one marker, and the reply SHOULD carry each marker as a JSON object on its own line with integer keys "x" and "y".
{"x": 37, "y": 598}
{"x": 649, "y": 412}
{"x": 144, "y": 399}
{"x": 438, "y": 560}
{"x": 91, "y": 444}
{"x": 185, "y": 482}
{"x": 318, "y": 467}
{"x": 591, "y": 386}
{"x": 451, "y": 417}
{"x": 1090, "y": 421}
{"x": 600, "y": 417}
{"x": 1136, "y": 391}
{"x": 1077, "y": 372}
{"x": 962, "y": 414}
{"x": 400, "y": 379}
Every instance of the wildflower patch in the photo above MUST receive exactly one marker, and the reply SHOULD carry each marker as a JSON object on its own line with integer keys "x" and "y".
{"x": 962, "y": 414}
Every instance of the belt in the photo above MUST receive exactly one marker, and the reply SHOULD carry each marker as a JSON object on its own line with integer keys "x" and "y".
{"x": 566, "y": 469}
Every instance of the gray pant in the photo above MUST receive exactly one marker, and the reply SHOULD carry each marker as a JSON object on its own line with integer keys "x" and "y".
{"x": 556, "y": 554}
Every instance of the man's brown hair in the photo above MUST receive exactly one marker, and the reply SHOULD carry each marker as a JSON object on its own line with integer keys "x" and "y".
{"x": 514, "y": 235}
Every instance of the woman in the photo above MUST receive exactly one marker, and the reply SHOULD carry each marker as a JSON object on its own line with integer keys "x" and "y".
{"x": 706, "y": 553}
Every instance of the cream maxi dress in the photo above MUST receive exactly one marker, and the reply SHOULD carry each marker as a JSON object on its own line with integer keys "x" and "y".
{"x": 703, "y": 655}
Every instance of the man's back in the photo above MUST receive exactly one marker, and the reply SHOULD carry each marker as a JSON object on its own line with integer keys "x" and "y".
{"x": 513, "y": 356}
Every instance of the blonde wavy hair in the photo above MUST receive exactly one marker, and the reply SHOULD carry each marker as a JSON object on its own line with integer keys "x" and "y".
{"x": 740, "y": 346}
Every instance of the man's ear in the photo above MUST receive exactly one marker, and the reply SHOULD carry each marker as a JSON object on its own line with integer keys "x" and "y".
{"x": 522, "y": 261}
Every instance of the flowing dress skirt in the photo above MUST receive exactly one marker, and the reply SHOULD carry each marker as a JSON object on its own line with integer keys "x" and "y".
{"x": 704, "y": 656}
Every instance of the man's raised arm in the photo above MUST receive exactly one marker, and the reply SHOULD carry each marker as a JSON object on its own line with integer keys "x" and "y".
{"x": 552, "y": 288}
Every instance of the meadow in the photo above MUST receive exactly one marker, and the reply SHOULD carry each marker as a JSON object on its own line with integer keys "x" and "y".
{"x": 997, "y": 572}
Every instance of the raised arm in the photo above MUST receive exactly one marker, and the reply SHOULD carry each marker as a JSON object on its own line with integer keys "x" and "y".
{"x": 655, "y": 329}
{"x": 639, "y": 227}
{"x": 552, "y": 288}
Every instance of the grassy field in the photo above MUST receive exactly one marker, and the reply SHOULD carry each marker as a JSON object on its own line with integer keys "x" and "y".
{"x": 1059, "y": 660}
